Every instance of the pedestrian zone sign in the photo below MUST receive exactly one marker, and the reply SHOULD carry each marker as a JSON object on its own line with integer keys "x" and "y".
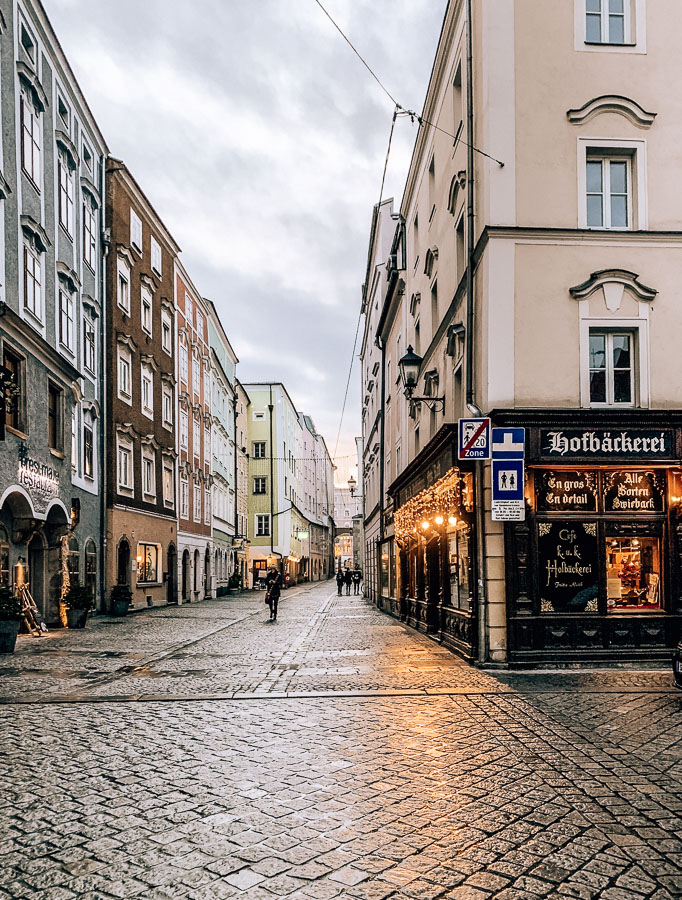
{"x": 474, "y": 439}
{"x": 508, "y": 482}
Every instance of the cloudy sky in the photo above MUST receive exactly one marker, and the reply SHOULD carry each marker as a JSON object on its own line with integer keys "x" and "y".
{"x": 260, "y": 139}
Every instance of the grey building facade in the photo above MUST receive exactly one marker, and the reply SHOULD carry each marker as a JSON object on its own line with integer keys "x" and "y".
{"x": 51, "y": 322}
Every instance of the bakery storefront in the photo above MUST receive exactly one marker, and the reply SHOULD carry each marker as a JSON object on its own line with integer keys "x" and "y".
{"x": 594, "y": 571}
{"x": 434, "y": 547}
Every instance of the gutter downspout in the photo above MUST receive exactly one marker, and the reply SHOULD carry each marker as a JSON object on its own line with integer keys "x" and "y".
{"x": 272, "y": 483}
{"x": 472, "y": 406}
{"x": 382, "y": 463}
{"x": 104, "y": 406}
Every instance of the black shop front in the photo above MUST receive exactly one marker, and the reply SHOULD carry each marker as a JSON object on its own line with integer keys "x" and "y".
{"x": 594, "y": 573}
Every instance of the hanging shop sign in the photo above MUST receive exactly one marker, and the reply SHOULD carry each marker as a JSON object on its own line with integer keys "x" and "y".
{"x": 580, "y": 443}
{"x": 568, "y": 556}
{"x": 634, "y": 491}
{"x": 566, "y": 491}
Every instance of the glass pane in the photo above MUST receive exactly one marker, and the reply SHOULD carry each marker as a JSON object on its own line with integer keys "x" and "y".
{"x": 619, "y": 183}
{"x": 593, "y": 6}
{"x": 622, "y": 388}
{"x": 621, "y": 351}
{"x": 597, "y": 351}
{"x": 616, "y": 6}
{"x": 598, "y": 387}
{"x": 619, "y": 212}
{"x": 633, "y": 574}
{"x": 595, "y": 216}
{"x": 593, "y": 29}
{"x": 616, "y": 30}
{"x": 594, "y": 180}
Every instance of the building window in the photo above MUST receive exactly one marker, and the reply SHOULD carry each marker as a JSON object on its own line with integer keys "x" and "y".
{"x": 197, "y": 503}
{"x": 146, "y": 311}
{"x": 125, "y": 465}
{"x": 148, "y": 473}
{"x": 188, "y": 310}
{"x": 4, "y": 557}
{"x": 87, "y": 157}
{"x": 207, "y": 385}
{"x": 184, "y": 429}
{"x": 259, "y": 449}
{"x": 91, "y": 569}
{"x": 64, "y": 114}
{"x": 156, "y": 256}
{"x": 147, "y": 392}
{"x": 168, "y": 484}
{"x": 196, "y": 375}
{"x": 200, "y": 327}
{"x": 168, "y": 405}
{"x": 135, "y": 231}
{"x": 609, "y": 189}
{"x": 89, "y": 360}
{"x": 65, "y": 319}
{"x": 88, "y": 452}
{"x": 66, "y": 194}
{"x": 89, "y": 233}
{"x": 55, "y": 433}
{"x": 633, "y": 573}
{"x": 32, "y": 283}
{"x": 207, "y": 506}
{"x": 184, "y": 498}
{"x": 74, "y": 440}
{"x": 259, "y": 484}
{"x": 196, "y": 438}
{"x": 183, "y": 363}
{"x": 123, "y": 291}
{"x": 207, "y": 446}
{"x": 262, "y": 525}
{"x": 148, "y": 563}
{"x": 30, "y": 140}
{"x": 166, "y": 332}
{"x": 124, "y": 375}
{"x": 28, "y": 43}
{"x": 607, "y": 21}
{"x": 611, "y": 368}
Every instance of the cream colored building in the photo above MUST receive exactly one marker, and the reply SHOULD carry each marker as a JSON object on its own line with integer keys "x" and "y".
{"x": 536, "y": 276}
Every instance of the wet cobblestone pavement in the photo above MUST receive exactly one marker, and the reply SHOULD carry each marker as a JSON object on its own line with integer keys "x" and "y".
{"x": 200, "y": 752}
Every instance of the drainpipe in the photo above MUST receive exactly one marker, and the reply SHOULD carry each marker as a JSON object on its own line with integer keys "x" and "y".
{"x": 472, "y": 406}
{"x": 104, "y": 406}
{"x": 382, "y": 466}
{"x": 236, "y": 468}
{"x": 272, "y": 482}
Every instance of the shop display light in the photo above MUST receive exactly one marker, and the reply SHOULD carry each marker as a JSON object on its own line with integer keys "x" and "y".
{"x": 439, "y": 520}
{"x": 443, "y": 502}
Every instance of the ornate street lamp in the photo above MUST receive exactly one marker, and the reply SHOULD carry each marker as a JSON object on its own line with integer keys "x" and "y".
{"x": 352, "y": 484}
{"x": 409, "y": 366}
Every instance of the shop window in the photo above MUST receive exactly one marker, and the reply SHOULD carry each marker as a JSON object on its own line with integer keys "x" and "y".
{"x": 460, "y": 567}
{"x": 612, "y": 356}
{"x": 4, "y": 557}
{"x": 633, "y": 574}
{"x": 147, "y": 563}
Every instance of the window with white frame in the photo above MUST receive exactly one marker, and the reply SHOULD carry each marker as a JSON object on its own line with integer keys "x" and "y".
{"x": 184, "y": 497}
{"x": 188, "y": 310}
{"x": 168, "y": 484}
{"x": 124, "y": 374}
{"x": 66, "y": 193}
{"x": 146, "y": 305}
{"x": 207, "y": 385}
{"x": 197, "y": 503}
{"x": 88, "y": 451}
{"x": 196, "y": 374}
{"x": 148, "y": 473}
{"x": 89, "y": 345}
{"x": 607, "y": 21}
{"x": 612, "y": 369}
{"x": 183, "y": 363}
{"x": 87, "y": 157}
{"x": 64, "y": 113}
{"x": 207, "y": 446}
{"x": 184, "y": 429}
{"x": 147, "y": 391}
{"x": 166, "y": 332}
{"x": 608, "y": 191}
{"x": 135, "y": 231}
{"x": 156, "y": 255}
{"x": 259, "y": 449}
{"x": 262, "y": 525}
{"x": 28, "y": 43}
{"x": 30, "y": 139}
{"x": 260, "y": 484}
{"x": 33, "y": 282}
{"x": 167, "y": 395}
{"x": 125, "y": 464}
{"x": 66, "y": 337}
{"x": 207, "y": 506}
{"x": 200, "y": 326}
{"x": 148, "y": 555}
{"x": 196, "y": 438}
{"x": 123, "y": 286}
{"x": 89, "y": 231}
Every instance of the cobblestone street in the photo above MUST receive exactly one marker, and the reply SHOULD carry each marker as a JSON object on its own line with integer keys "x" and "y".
{"x": 202, "y": 752}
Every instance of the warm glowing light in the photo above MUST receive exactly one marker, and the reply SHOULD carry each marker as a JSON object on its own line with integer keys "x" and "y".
{"x": 676, "y": 499}
{"x": 452, "y": 520}
{"x": 425, "y": 525}
{"x": 439, "y": 520}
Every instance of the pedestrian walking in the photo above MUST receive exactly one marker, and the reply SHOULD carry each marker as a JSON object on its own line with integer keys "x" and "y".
{"x": 274, "y": 587}
{"x": 339, "y": 581}
{"x": 348, "y": 579}
{"x": 357, "y": 578}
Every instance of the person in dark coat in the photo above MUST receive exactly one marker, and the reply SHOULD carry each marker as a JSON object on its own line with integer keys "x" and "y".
{"x": 339, "y": 581}
{"x": 273, "y": 586}
{"x": 357, "y": 578}
{"x": 348, "y": 579}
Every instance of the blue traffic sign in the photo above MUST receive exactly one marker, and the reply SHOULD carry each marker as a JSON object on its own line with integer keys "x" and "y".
{"x": 508, "y": 479}
{"x": 508, "y": 443}
{"x": 474, "y": 439}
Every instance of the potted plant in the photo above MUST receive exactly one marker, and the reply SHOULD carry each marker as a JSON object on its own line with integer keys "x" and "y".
{"x": 235, "y": 582}
{"x": 10, "y": 619}
{"x": 121, "y": 597}
{"x": 78, "y": 603}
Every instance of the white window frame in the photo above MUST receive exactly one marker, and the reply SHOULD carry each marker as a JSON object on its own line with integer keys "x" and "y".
{"x": 635, "y": 29}
{"x": 593, "y": 147}
{"x": 166, "y": 323}
{"x": 147, "y": 403}
{"x": 207, "y": 506}
{"x": 169, "y": 485}
{"x": 124, "y": 356}
{"x": 260, "y": 521}
{"x": 184, "y": 429}
{"x": 639, "y": 328}
{"x": 90, "y": 426}
{"x": 66, "y": 199}
{"x": 148, "y": 468}
{"x": 31, "y": 132}
{"x": 126, "y": 445}
{"x": 167, "y": 406}
{"x": 605, "y": 161}
{"x": 89, "y": 232}
{"x": 208, "y": 433}
{"x": 123, "y": 296}
{"x": 36, "y": 310}
{"x": 196, "y": 375}
{"x": 184, "y": 497}
{"x": 89, "y": 346}
{"x": 146, "y": 310}
{"x": 184, "y": 363}
{"x": 65, "y": 313}
{"x": 196, "y": 502}
{"x": 155, "y": 247}
{"x": 135, "y": 231}
{"x": 188, "y": 310}
{"x": 196, "y": 437}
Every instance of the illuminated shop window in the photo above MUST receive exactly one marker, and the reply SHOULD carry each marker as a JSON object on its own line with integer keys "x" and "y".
{"x": 633, "y": 574}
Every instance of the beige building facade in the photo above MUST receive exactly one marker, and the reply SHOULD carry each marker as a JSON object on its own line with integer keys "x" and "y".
{"x": 533, "y": 270}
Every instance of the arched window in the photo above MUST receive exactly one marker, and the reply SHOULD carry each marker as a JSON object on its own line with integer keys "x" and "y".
{"x": 4, "y": 556}
{"x": 91, "y": 568}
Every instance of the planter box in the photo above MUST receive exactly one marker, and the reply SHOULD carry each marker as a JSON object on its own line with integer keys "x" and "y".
{"x": 8, "y": 635}
{"x": 119, "y": 607}
{"x": 76, "y": 618}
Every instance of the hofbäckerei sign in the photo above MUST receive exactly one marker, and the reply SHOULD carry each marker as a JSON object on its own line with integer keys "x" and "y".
{"x": 580, "y": 443}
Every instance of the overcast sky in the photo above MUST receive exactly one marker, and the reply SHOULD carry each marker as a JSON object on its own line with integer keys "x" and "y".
{"x": 260, "y": 140}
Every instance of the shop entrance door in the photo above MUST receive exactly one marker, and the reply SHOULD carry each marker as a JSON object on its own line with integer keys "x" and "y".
{"x": 36, "y": 573}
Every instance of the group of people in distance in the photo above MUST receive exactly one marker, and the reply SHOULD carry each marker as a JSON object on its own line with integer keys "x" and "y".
{"x": 348, "y": 576}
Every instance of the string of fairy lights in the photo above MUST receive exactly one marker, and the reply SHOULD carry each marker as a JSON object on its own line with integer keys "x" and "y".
{"x": 443, "y": 503}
